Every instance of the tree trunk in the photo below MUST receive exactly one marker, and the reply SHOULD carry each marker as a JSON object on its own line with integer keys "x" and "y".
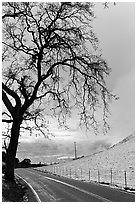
{"x": 12, "y": 149}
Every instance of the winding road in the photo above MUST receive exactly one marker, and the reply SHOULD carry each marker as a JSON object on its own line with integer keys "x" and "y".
{"x": 52, "y": 188}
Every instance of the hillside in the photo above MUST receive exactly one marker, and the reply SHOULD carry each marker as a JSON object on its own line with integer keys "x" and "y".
{"x": 107, "y": 166}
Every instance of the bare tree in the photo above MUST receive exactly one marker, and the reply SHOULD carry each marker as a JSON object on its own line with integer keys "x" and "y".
{"x": 50, "y": 65}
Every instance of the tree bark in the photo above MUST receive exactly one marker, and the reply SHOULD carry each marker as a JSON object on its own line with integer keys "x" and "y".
{"x": 12, "y": 149}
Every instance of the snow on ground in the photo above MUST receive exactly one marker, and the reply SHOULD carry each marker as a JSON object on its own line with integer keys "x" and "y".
{"x": 115, "y": 165}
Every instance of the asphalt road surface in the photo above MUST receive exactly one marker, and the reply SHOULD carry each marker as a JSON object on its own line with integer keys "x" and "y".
{"x": 52, "y": 188}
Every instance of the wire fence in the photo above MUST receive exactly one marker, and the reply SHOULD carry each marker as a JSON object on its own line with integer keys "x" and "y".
{"x": 124, "y": 179}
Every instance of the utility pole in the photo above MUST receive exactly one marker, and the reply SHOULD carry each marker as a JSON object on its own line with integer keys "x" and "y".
{"x": 75, "y": 150}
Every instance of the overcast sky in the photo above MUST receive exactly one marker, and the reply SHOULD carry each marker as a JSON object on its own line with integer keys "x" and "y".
{"x": 115, "y": 29}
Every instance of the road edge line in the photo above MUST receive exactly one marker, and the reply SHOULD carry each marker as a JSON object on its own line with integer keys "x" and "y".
{"x": 79, "y": 189}
{"x": 117, "y": 188}
{"x": 32, "y": 189}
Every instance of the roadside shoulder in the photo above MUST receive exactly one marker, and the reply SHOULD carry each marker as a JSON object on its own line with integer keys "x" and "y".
{"x": 13, "y": 191}
{"x": 31, "y": 193}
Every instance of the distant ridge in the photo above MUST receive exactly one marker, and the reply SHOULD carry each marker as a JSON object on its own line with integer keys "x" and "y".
{"x": 117, "y": 160}
{"x": 100, "y": 150}
{"x": 126, "y": 139}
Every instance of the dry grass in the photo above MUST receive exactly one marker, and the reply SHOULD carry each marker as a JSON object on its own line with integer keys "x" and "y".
{"x": 13, "y": 191}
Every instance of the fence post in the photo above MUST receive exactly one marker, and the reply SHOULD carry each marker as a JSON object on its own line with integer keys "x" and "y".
{"x": 75, "y": 173}
{"x": 59, "y": 170}
{"x": 98, "y": 176}
{"x": 66, "y": 172}
{"x": 81, "y": 173}
{"x": 70, "y": 172}
{"x": 55, "y": 170}
{"x": 125, "y": 173}
{"x": 111, "y": 176}
{"x": 63, "y": 171}
{"x": 89, "y": 174}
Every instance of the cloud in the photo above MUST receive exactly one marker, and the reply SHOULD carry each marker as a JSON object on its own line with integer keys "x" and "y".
{"x": 60, "y": 133}
{"x": 115, "y": 28}
{"x": 123, "y": 111}
{"x": 50, "y": 150}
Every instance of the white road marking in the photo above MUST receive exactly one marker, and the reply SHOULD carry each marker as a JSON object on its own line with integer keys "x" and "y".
{"x": 36, "y": 195}
{"x": 79, "y": 189}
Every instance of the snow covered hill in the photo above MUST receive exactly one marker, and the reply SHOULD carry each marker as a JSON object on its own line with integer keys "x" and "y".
{"x": 116, "y": 165}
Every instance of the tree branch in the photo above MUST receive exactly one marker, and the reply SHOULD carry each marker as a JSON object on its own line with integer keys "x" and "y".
{"x": 12, "y": 93}
{"x": 7, "y": 121}
{"x": 89, "y": 76}
{"x": 13, "y": 15}
{"x": 8, "y": 104}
